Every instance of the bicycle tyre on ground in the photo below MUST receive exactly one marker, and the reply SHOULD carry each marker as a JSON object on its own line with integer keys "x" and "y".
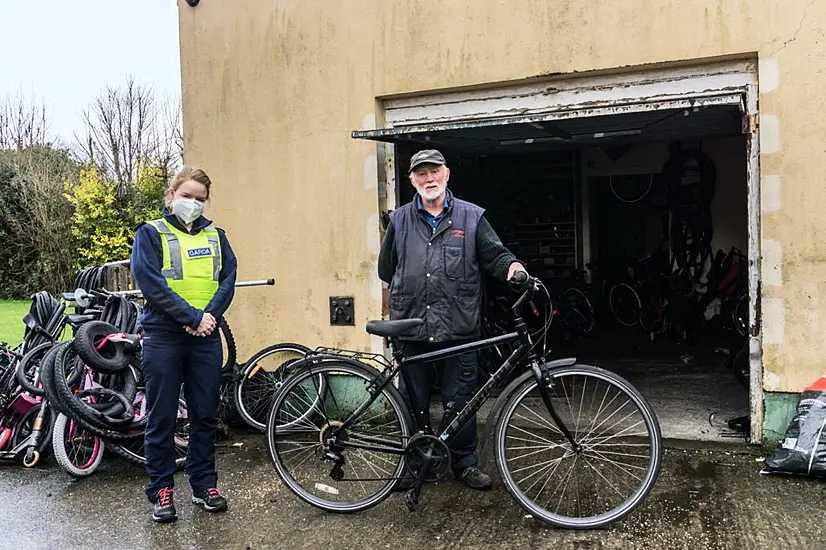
{"x": 256, "y": 387}
{"x": 88, "y": 464}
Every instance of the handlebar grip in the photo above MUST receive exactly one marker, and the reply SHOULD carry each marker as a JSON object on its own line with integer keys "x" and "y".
{"x": 519, "y": 278}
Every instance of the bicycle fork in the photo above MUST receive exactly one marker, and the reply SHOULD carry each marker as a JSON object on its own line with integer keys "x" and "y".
{"x": 544, "y": 381}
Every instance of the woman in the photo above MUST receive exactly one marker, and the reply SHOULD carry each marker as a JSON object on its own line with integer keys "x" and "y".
{"x": 186, "y": 270}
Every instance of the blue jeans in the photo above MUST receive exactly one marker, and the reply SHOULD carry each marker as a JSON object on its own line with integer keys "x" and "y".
{"x": 170, "y": 359}
{"x": 458, "y": 382}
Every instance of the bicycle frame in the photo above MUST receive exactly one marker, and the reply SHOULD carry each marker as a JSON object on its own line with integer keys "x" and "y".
{"x": 474, "y": 403}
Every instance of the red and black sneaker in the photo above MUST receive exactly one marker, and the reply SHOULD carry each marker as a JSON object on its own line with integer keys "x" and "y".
{"x": 164, "y": 510}
{"x": 210, "y": 499}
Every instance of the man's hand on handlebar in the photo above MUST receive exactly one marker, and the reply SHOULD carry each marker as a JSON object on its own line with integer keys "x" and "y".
{"x": 517, "y": 276}
{"x": 514, "y": 268}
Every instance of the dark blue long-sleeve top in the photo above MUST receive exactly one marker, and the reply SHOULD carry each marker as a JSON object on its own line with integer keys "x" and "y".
{"x": 164, "y": 309}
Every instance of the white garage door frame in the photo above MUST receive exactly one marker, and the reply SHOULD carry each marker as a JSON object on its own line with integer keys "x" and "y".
{"x": 652, "y": 89}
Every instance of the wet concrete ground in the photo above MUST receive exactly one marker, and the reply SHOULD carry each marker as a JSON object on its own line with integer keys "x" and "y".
{"x": 691, "y": 388}
{"x": 703, "y": 500}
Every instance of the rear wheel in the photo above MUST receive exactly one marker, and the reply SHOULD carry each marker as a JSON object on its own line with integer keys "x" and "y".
{"x": 262, "y": 376}
{"x": 310, "y": 451}
{"x": 615, "y": 464}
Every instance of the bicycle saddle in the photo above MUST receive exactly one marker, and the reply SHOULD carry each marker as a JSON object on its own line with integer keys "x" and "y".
{"x": 393, "y": 328}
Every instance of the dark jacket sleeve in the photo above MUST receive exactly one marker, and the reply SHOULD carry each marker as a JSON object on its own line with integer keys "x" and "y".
{"x": 145, "y": 265}
{"x": 226, "y": 287}
{"x": 388, "y": 257}
{"x": 492, "y": 254}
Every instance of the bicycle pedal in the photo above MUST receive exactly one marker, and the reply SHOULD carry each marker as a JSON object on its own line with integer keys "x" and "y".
{"x": 411, "y": 499}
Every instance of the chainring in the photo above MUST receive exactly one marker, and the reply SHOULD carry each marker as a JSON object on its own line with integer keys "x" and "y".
{"x": 422, "y": 446}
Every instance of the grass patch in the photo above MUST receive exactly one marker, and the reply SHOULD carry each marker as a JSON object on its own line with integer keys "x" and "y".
{"x": 11, "y": 320}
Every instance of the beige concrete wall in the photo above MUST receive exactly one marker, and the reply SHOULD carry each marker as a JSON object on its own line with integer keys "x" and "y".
{"x": 272, "y": 88}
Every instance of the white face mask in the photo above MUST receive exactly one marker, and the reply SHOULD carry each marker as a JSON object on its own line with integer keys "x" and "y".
{"x": 188, "y": 210}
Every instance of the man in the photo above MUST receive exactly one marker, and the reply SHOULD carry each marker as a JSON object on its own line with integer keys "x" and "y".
{"x": 432, "y": 256}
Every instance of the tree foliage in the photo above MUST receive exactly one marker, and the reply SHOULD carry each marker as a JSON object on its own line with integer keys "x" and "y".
{"x": 62, "y": 210}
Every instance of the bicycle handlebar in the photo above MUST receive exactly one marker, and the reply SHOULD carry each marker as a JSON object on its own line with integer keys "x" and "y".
{"x": 521, "y": 279}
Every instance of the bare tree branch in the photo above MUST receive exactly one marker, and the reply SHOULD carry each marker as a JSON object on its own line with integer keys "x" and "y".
{"x": 22, "y": 123}
{"x": 127, "y": 126}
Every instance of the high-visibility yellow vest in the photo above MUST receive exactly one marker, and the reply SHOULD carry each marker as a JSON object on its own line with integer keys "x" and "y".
{"x": 191, "y": 263}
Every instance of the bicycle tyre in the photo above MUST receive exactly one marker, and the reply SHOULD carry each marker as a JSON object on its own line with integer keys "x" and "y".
{"x": 135, "y": 458}
{"x": 390, "y": 392}
{"x": 91, "y": 419}
{"x": 628, "y": 289}
{"x": 228, "y": 344}
{"x": 582, "y": 304}
{"x": 740, "y": 319}
{"x": 23, "y": 366}
{"x": 254, "y": 417}
{"x": 650, "y": 321}
{"x": 632, "y": 199}
{"x": 62, "y": 455}
{"x": 110, "y": 359}
{"x": 601, "y": 520}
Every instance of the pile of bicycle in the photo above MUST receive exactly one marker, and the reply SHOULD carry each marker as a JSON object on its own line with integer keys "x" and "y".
{"x": 661, "y": 300}
{"x": 82, "y": 395}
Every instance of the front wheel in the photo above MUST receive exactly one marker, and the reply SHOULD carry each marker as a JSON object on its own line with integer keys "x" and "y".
{"x": 611, "y": 470}
{"x": 77, "y": 451}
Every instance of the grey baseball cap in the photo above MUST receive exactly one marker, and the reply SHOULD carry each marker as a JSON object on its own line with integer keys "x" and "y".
{"x": 426, "y": 156}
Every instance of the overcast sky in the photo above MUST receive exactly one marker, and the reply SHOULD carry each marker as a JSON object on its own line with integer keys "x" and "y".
{"x": 65, "y": 51}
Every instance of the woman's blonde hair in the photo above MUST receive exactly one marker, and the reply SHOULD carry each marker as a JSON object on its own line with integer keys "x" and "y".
{"x": 185, "y": 174}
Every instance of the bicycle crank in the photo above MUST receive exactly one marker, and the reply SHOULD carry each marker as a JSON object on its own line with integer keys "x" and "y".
{"x": 423, "y": 448}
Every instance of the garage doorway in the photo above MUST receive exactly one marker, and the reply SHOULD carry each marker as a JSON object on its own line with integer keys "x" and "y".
{"x": 634, "y": 197}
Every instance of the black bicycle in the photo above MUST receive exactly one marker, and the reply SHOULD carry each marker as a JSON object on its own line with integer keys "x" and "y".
{"x": 576, "y": 446}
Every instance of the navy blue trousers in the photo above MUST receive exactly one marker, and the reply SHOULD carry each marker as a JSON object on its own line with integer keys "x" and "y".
{"x": 458, "y": 383}
{"x": 170, "y": 359}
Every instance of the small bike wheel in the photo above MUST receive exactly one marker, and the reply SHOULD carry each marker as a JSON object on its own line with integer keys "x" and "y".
{"x": 683, "y": 283}
{"x": 611, "y": 470}
{"x": 625, "y": 304}
{"x": 650, "y": 320}
{"x": 262, "y": 376}
{"x": 227, "y": 412}
{"x": 578, "y": 301}
{"x": 133, "y": 451}
{"x": 77, "y": 451}
{"x": 310, "y": 452}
